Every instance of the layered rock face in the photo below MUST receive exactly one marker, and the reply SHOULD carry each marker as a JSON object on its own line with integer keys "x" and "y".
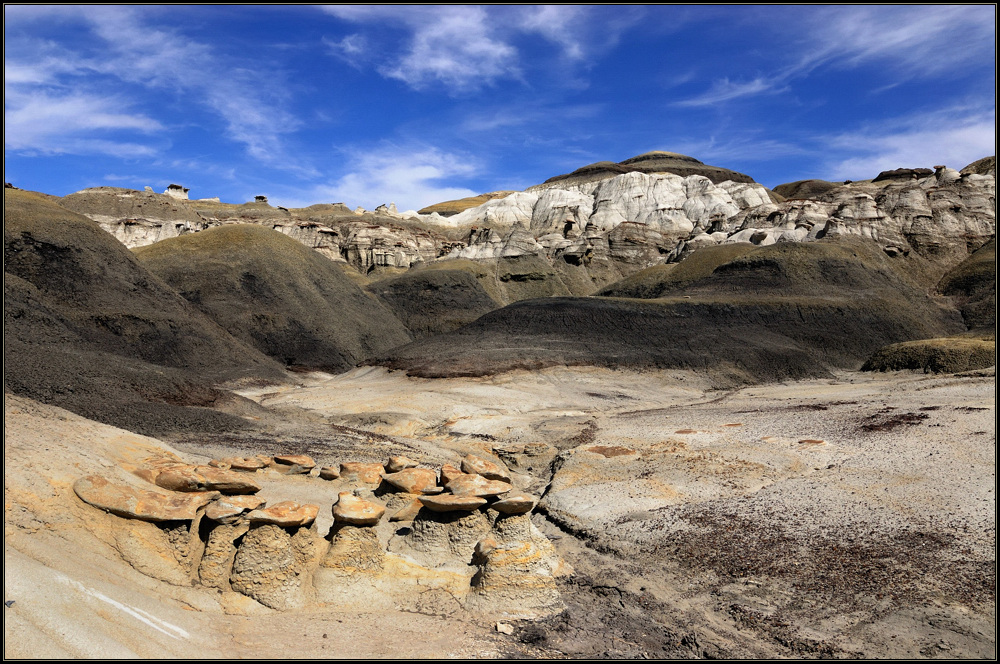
{"x": 580, "y": 220}
{"x": 467, "y": 536}
{"x": 943, "y": 216}
{"x": 640, "y": 219}
{"x": 654, "y": 207}
{"x": 364, "y": 239}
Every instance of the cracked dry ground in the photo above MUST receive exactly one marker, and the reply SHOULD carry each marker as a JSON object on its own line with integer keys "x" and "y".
{"x": 852, "y": 517}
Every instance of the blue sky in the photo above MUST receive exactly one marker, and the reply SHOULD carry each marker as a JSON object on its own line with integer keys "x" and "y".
{"x": 415, "y": 105}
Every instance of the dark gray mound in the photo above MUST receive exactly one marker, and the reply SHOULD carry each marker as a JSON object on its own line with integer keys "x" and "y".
{"x": 973, "y": 282}
{"x": 810, "y": 189}
{"x": 984, "y": 166}
{"x": 903, "y": 174}
{"x": 431, "y": 302}
{"x": 754, "y": 315}
{"x": 837, "y": 266}
{"x": 276, "y": 295}
{"x": 87, "y": 328}
{"x": 947, "y": 355}
{"x": 442, "y": 296}
{"x": 651, "y": 162}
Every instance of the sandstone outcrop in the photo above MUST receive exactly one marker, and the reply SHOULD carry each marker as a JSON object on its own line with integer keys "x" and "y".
{"x": 141, "y": 504}
{"x": 354, "y": 511}
{"x": 673, "y": 203}
{"x": 516, "y": 571}
{"x": 490, "y": 470}
{"x": 366, "y": 473}
{"x": 229, "y": 508}
{"x": 470, "y": 544}
{"x": 183, "y": 477}
{"x": 477, "y": 485}
{"x": 216, "y": 565}
{"x": 287, "y": 514}
{"x": 412, "y": 480}
{"x": 274, "y": 566}
{"x": 656, "y": 161}
{"x": 452, "y": 503}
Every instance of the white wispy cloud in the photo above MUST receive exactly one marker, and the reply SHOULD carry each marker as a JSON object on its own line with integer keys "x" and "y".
{"x": 352, "y": 49}
{"x": 541, "y": 114}
{"x": 561, "y": 24}
{"x": 410, "y": 176}
{"x": 80, "y": 86}
{"x": 465, "y": 48}
{"x": 726, "y": 90}
{"x": 954, "y": 137}
{"x": 457, "y": 46}
{"x": 66, "y": 124}
{"x": 913, "y": 40}
{"x": 909, "y": 41}
{"x": 736, "y": 148}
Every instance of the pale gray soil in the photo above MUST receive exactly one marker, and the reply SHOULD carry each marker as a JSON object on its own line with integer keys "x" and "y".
{"x": 844, "y": 517}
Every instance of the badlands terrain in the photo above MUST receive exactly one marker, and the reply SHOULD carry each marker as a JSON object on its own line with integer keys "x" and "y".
{"x": 646, "y": 409}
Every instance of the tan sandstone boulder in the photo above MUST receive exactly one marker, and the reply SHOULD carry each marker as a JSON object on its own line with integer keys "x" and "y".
{"x": 488, "y": 469}
{"x": 477, "y": 485}
{"x": 412, "y": 480}
{"x": 230, "y": 508}
{"x": 368, "y": 473}
{"x": 354, "y": 511}
{"x": 515, "y": 503}
{"x": 398, "y": 463}
{"x": 451, "y": 503}
{"x": 286, "y": 514}
{"x": 135, "y": 503}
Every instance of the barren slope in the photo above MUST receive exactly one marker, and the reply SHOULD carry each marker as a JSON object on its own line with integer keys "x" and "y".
{"x": 276, "y": 295}
{"x": 88, "y": 328}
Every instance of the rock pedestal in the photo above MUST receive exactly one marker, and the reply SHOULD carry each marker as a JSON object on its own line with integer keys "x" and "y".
{"x": 220, "y": 552}
{"x": 274, "y": 566}
{"x": 516, "y": 571}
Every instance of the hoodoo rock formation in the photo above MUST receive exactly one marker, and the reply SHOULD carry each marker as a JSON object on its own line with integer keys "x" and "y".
{"x": 495, "y": 561}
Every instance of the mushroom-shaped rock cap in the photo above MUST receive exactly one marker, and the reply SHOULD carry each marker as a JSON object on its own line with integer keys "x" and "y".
{"x": 295, "y": 460}
{"x": 369, "y": 473}
{"x": 228, "y": 508}
{"x": 133, "y": 503}
{"x": 516, "y": 503}
{"x": 488, "y": 469}
{"x": 448, "y": 473}
{"x": 398, "y": 463}
{"x": 477, "y": 485}
{"x": 185, "y": 477}
{"x": 287, "y": 513}
{"x": 412, "y": 480}
{"x": 356, "y": 511}
{"x": 328, "y": 473}
{"x": 241, "y": 463}
{"x": 447, "y": 502}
